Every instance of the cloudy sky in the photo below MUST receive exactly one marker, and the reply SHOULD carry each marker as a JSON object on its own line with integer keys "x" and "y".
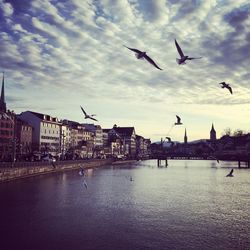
{"x": 58, "y": 55}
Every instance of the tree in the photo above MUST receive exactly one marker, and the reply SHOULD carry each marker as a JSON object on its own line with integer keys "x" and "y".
{"x": 227, "y": 131}
{"x": 238, "y": 132}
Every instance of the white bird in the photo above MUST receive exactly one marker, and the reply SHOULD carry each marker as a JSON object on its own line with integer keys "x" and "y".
{"x": 178, "y": 121}
{"x": 81, "y": 172}
{"x": 141, "y": 55}
{"x": 183, "y": 57}
{"x": 227, "y": 86}
{"x": 86, "y": 115}
{"x": 230, "y": 174}
{"x": 169, "y": 139}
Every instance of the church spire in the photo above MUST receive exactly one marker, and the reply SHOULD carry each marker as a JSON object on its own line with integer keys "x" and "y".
{"x": 212, "y": 129}
{"x": 213, "y": 133}
{"x": 2, "y": 98}
{"x": 185, "y": 136}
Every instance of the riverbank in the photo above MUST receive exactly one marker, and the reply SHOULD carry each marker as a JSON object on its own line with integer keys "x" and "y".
{"x": 32, "y": 169}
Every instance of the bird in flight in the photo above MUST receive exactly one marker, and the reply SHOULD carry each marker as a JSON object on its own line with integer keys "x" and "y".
{"x": 178, "y": 120}
{"x": 86, "y": 115}
{"x": 227, "y": 86}
{"x": 183, "y": 57}
{"x": 81, "y": 172}
{"x": 230, "y": 174}
{"x": 141, "y": 55}
{"x": 169, "y": 139}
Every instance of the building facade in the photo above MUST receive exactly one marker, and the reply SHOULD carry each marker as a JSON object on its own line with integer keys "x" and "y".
{"x": 128, "y": 139}
{"x": 23, "y": 134}
{"x": 46, "y": 132}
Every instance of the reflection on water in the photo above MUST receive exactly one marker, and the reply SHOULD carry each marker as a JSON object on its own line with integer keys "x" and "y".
{"x": 188, "y": 205}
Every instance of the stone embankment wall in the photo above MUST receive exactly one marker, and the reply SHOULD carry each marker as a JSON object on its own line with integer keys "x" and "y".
{"x": 22, "y": 170}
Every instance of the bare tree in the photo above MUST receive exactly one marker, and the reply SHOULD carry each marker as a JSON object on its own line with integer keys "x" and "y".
{"x": 227, "y": 131}
{"x": 238, "y": 132}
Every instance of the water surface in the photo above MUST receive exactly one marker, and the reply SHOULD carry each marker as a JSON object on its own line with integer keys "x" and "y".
{"x": 188, "y": 205}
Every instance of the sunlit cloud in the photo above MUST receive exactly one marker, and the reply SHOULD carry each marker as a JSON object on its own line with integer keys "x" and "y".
{"x": 62, "y": 54}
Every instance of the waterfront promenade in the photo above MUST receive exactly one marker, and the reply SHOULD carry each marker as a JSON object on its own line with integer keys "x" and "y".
{"x": 9, "y": 172}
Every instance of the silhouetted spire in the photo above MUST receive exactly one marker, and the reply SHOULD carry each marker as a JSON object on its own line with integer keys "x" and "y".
{"x": 2, "y": 99}
{"x": 212, "y": 133}
{"x": 185, "y": 136}
{"x": 212, "y": 129}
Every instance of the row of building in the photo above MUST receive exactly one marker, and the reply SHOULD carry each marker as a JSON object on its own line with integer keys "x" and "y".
{"x": 31, "y": 135}
{"x": 227, "y": 147}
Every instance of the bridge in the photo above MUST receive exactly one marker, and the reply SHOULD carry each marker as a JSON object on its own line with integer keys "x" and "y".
{"x": 243, "y": 160}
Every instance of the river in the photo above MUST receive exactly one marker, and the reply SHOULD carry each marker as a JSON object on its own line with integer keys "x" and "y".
{"x": 188, "y": 205}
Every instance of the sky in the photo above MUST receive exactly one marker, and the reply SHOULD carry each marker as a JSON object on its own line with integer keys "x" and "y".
{"x": 58, "y": 55}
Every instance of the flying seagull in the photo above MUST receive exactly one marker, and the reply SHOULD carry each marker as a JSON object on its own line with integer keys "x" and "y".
{"x": 86, "y": 115}
{"x": 169, "y": 139}
{"x": 227, "y": 86}
{"x": 178, "y": 120}
{"x": 230, "y": 174}
{"x": 183, "y": 57}
{"x": 141, "y": 55}
{"x": 81, "y": 172}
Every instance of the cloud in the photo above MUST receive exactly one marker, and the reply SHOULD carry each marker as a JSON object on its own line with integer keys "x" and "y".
{"x": 154, "y": 11}
{"x": 54, "y": 49}
{"x": 6, "y": 8}
{"x": 233, "y": 45}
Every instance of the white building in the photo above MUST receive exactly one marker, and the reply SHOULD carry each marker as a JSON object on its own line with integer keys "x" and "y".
{"x": 65, "y": 138}
{"x": 98, "y": 135}
{"x": 47, "y": 131}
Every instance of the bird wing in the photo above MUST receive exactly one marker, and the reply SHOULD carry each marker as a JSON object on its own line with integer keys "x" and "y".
{"x": 92, "y": 118}
{"x": 178, "y": 119}
{"x": 179, "y": 49}
{"x": 191, "y": 58}
{"x": 231, "y": 172}
{"x": 83, "y": 110}
{"x": 230, "y": 89}
{"x": 135, "y": 50}
{"x": 151, "y": 61}
{"x": 222, "y": 83}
